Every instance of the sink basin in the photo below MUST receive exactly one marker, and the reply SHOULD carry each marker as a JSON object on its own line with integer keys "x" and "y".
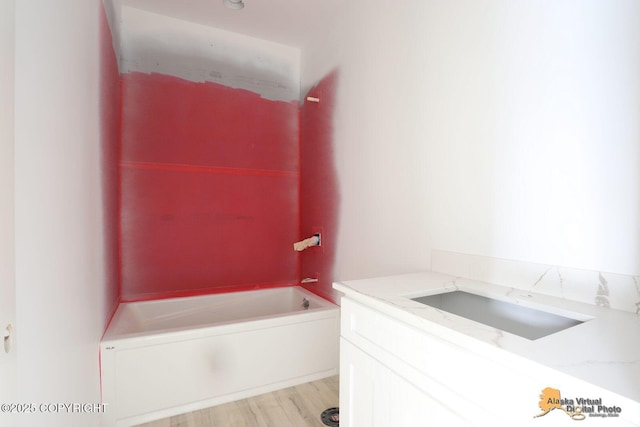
{"x": 526, "y": 322}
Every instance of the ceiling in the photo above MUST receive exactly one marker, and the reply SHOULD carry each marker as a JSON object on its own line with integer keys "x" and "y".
{"x": 289, "y": 22}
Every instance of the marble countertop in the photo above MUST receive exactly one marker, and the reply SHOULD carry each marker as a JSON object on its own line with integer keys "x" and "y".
{"x": 603, "y": 351}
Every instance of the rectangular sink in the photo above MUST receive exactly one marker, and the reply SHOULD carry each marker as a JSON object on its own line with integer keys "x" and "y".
{"x": 526, "y": 322}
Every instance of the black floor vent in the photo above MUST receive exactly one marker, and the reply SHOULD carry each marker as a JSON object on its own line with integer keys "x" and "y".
{"x": 331, "y": 417}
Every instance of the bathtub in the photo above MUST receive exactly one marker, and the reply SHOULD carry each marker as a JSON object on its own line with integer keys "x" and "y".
{"x": 166, "y": 357}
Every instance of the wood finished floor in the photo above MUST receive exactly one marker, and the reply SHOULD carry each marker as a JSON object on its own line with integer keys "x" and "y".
{"x": 298, "y": 406}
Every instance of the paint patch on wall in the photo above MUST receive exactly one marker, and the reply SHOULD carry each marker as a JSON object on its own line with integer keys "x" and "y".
{"x": 152, "y": 43}
{"x": 209, "y": 193}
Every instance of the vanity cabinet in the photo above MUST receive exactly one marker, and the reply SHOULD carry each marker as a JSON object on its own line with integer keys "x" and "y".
{"x": 372, "y": 394}
{"x": 393, "y": 373}
{"x": 389, "y": 374}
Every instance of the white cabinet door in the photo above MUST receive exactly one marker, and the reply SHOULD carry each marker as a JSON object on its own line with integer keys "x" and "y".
{"x": 372, "y": 395}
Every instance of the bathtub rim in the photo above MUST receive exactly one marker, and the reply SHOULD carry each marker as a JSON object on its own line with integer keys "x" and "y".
{"x": 142, "y": 338}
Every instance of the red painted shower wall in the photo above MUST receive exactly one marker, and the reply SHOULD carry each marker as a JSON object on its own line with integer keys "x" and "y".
{"x": 110, "y": 152}
{"x": 209, "y": 188}
{"x": 319, "y": 197}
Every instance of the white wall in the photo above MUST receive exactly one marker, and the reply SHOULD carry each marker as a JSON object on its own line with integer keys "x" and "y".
{"x": 112, "y": 10}
{"x": 504, "y": 128}
{"x": 153, "y": 43}
{"x": 58, "y": 226}
{"x": 7, "y": 218}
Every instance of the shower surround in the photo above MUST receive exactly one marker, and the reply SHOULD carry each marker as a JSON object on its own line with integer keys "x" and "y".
{"x": 209, "y": 162}
{"x": 209, "y": 188}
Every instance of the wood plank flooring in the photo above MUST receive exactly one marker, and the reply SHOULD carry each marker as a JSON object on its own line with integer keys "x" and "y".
{"x": 298, "y": 406}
